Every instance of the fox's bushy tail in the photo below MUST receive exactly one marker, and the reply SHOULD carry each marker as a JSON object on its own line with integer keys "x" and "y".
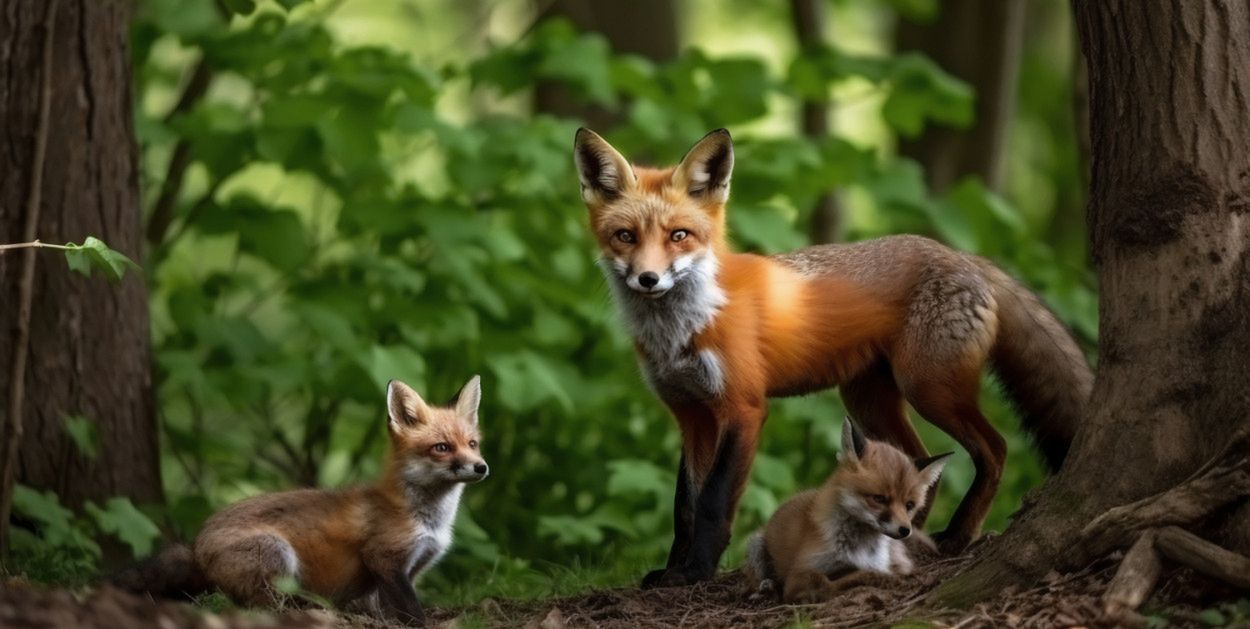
{"x": 1040, "y": 366}
{"x": 170, "y": 573}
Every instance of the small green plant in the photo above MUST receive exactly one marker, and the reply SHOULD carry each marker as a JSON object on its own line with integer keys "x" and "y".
{"x": 91, "y": 255}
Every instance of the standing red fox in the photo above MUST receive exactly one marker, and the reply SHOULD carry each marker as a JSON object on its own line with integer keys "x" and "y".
{"x": 347, "y": 544}
{"x": 895, "y": 319}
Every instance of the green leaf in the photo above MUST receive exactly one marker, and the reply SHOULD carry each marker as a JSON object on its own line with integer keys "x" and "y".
{"x": 94, "y": 255}
{"x": 394, "y": 362}
{"x": 82, "y": 432}
{"x": 127, "y": 523}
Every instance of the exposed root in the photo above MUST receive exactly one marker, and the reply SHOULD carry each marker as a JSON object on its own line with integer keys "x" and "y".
{"x": 1224, "y": 479}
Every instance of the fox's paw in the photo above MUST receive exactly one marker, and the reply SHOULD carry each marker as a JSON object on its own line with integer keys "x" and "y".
{"x": 765, "y": 590}
{"x": 672, "y": 577}
{"x": 951, "y": 542}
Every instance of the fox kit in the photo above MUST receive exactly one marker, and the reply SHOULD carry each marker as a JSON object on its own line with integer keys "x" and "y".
{"x": 852, "y": 525}
{"x": 367, "y": 541}
{"x": 895, "y": 319}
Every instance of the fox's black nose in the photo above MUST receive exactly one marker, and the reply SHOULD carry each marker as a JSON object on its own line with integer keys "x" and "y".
{"x": 481, "y": 468}
{"x": 903, "y": 532}
{"x": 648, "y": 279}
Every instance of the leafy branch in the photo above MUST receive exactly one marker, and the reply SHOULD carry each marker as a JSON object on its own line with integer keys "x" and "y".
{"x": 91, "y": 255}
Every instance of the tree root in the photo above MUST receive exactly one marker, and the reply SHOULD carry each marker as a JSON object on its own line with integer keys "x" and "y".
{"x": 1224, "y": 479}
{"x": 1153, "y": 526}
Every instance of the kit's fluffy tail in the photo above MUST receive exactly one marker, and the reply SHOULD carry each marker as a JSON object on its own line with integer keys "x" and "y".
{"x": 170, "y": 573}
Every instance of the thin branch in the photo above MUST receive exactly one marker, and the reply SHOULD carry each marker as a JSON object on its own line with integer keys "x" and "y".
{"x": 1206, "y": 557}
{"x": 180, "y": 160}
{"x": 34, "y": 244}
{"x": 26, "y": 283}
{"x": 808, "y": 18}
{"x": 1135, "y": 579}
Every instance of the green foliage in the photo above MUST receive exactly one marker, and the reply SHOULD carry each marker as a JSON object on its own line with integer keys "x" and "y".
{"x": 94, "y": 255}
{"x": 354, "y": 213}
{"x": 56, "y": 545}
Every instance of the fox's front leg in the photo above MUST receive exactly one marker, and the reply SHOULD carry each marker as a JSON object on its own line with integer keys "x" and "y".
{"x": 719, "y": 480}
{"x": 398, "y": 599}
{"x": 683, "y": 525}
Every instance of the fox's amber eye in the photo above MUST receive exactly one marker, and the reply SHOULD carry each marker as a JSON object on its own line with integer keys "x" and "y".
{"x": 442, "y": 448}
{"x": 880, "y": 499}
{"x": 626, "y": 236}
{"x": 679, "y": 235}
{"x": 911, "y": 504}
{"x": 473, "y": 444}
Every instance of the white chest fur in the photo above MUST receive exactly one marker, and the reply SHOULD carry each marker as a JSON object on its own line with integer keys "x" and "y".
{"x": 433, "y": 519}
{"x": 665, "y": 328}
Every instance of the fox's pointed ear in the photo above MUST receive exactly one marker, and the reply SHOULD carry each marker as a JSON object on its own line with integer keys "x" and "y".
{"x": 930, "y": 467}
{"x": 404, "y": 407}
{"x": 853, "y": 442}
{"x": 469, "y": 398}
{"x": 604, "y": 172}
{"x": 704, "y": 172}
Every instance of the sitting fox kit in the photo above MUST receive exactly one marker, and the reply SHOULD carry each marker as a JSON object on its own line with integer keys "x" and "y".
{"x": 343, "y": 545}
{"x": 822, "y": 540}
{"x": 890, "y": 320}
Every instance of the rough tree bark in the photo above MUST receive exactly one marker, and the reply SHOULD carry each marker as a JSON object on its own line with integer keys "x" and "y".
{"x": 978, "y": 41}
{"x": 89, "y": 346}
{"x": 1169, "y": 219}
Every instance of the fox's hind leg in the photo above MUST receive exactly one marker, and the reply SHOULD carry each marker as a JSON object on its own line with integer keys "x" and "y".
{"x": 951, "y": 327}
{"x": 875, "y": 403}
{"x": 246, "y": 568}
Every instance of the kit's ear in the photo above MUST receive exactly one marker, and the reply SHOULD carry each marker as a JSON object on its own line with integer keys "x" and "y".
{"x": 853, "y": 442}
{"x": 469, "y": 398}
{"x": 404, "y": 407}
{"x": 603, "y": 171}
{"x": 931, "y": 467}
{"x": 705, "y": 171}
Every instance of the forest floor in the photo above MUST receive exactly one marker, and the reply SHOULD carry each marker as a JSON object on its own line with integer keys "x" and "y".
{"x": 1070, "y": 600}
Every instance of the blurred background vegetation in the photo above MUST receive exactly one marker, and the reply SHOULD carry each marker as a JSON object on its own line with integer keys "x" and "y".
{"x": 339, "y": 193}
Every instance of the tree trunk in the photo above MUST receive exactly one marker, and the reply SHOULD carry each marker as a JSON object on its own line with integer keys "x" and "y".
{"x": 808, "y": 18}
{"x": 1169, "y": 218}
{"x": 978, "y": 41}
{"x": 89, "y": 346}
{"x": 641, "y": 27}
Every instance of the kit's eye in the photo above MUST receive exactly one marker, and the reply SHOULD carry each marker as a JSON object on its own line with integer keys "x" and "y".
{"x": 473, "y": 444}
{"x": 679, "y": 235}
{"x": 442, "y": 448}
{"x": 911, "y": 504}
{"x": 626, "y": 236}
{"x": 880, "y": 499}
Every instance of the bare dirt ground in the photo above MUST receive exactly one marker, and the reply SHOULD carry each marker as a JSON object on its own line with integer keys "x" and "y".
{"x": 1059, "y": 601}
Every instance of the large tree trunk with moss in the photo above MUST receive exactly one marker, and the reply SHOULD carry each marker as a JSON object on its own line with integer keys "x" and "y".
{"x": 978, "y": 41}
{"x": 87, "y": 341}
{"x": 1169, "y": 218}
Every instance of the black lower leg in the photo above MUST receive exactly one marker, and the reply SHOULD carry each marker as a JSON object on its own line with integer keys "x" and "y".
{"x": 399, "y": 600}
{"x": 683, "y": 516}
{"x": 713, "y": 512}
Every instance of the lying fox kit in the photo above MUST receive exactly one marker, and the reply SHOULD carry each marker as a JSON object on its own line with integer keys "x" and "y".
{"x": 849, "y": 530}
{"x": 348, "y": 544}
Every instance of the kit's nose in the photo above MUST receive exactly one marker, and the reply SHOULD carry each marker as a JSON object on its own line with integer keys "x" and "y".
{"x": 648, "y": 279}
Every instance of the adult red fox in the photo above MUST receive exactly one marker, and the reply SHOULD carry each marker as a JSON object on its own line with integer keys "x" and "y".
{"x": 886, "y": 320}
{"x": 364, "y": 542}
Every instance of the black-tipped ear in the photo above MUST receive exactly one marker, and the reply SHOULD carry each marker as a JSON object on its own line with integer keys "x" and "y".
{"x": 853, "y": 441}
{"x": 404, "y": 407}
{"x": 930, "y": 467}
{"x": 603, "y": 171}
{"x": 706, "y": 169}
